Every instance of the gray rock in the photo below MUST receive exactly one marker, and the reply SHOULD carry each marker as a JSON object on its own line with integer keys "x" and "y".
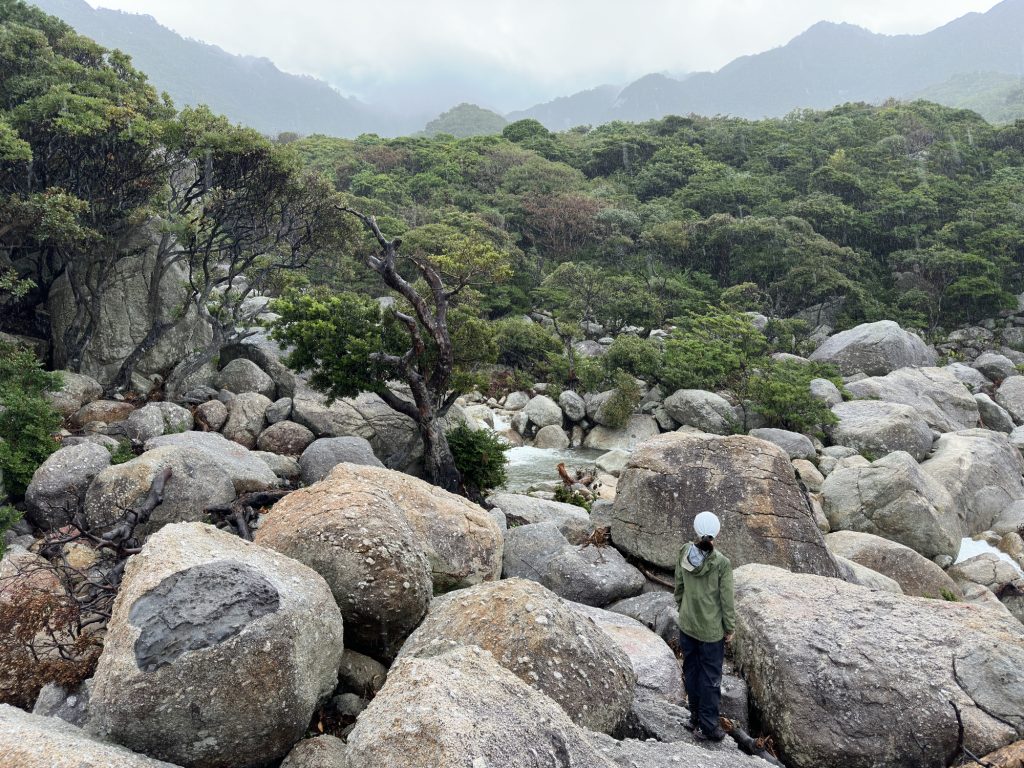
{"x": 477, "y": 714}
{"x": 826, "y": 392}
{"x": 70, "y": 706}
{"x": 655, "y": 665}
{"x": 360, "y": 674}
{"x": 106, "y": 411}
{"x": 747, "y": 482}
{"x": 267, "y": 354}
{"x": 322, "y": 751}
{"x": 797, "y": 446}
{"x": 573, "y": 406}
{"x": 655, "y": 610}
{"x": 362, "y": 544}
{"x": 33, "y": 741}
{"x": 855, "y": 573}
{"x": 993, "y": 415}
{"x": 482, "y": 414}
{"x": 936, "y": 394}
{"x": 285, "y": 467}
{"x": 875, "y": 349}
{"x": 157, "y": 419}
{"x": 845, "y": 676}
{"x": 57, "y": 490}
{"x": 111, "y": 444}
{"x": 280, "y": 410}
{"x": 590, "y": 575}
{"x": 896, "y": 499}
{"x": 76, "y": 390}
{"x": 631, "y": 753}
{"x": 246, "y": 418}
{"x": 569, "y": 659}
{"x": 638, "y": 429}
{"x": 208, "y": 623}
{"x": 809, "y": 475}
{"x": 286, "y": 438}
{"x": 213, "y": 413}
{"x": 460, "y": 539}
{"x": 551, "y": 437}
{"x": 706, "y": 411}
{"x": 516, "y": 401}
{"x": 543, "y": 411}
{"x": 241, "y": 375}
{"x": 995, "y": 367}
{"x": 325, "y": 454}
{"x": 613, "y": 462}
{"x": 590, "y": 348}
{"x": 916, "y": 574}
{"x": 970, "y": 377}
{"x": 207, "y": 471}
{"x": 876, "y": 428}
{"x": 982, "y": 471}
{"x": 125, "y": 315}
{"x": 572, "y": 521}
{"x": 1010, "y": 396}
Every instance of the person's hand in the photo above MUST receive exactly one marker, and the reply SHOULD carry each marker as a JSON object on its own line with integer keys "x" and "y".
{"x": 728, "y": 638}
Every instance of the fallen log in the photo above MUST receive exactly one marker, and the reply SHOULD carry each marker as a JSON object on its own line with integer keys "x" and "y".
{"x": 750, "y": 745}
{"x": 242, "y": 513}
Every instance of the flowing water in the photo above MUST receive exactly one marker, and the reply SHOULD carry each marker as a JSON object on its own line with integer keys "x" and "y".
{"x": 971, "y": 548}
{"x": 530, "y": 466}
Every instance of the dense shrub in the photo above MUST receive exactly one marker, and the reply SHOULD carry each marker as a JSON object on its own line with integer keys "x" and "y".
{"x": 480, "y": 458}
{"x": 710, "y": 350}
{"x": 523, "y": 344}
{"x": 27, "y": 420}
{"x": 9, "y": 516}
{"x": 780, "y": 391}
{"x": 637, "y": 357}
{"x": 620, "y": 406}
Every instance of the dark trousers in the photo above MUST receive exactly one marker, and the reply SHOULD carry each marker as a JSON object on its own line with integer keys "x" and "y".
{"x": 702, "y": 676}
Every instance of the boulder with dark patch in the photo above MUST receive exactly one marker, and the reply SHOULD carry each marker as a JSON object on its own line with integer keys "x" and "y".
{"x": 748, "y": 483}
{"x": 541, "y": 639}
{"x": 846, "y": 677}
{"x": 212, "y": 640}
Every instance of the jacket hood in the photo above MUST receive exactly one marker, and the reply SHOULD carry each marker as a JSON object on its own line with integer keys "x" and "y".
{"x": 704, "y": 567}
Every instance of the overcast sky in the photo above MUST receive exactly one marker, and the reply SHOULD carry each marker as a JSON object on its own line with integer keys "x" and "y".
{"x": 509, "y": 54}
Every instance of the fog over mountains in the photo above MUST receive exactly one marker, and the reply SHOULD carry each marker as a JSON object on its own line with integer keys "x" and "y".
{"x": 975, "y": 61}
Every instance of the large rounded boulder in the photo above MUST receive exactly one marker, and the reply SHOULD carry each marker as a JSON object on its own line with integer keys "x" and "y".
{"x": 362, "y": 544}
{"x": 748, "y": 483}
{"x": 875, "y": 428}
{"x": 58, "y": 486}
{"x": 982, "y": 470}
{"x": 935, "y": 393}
{"x": 461, "y": 709}
{"x": 542, "y": 640}
{"x": 461, "y": 540}
{"x": 875, "y": 349}
{"x": 893, "y": 497}
{"x": 915, "y": 574}
{"x": 848, "y": 677}
{"x": 217, "y": 651}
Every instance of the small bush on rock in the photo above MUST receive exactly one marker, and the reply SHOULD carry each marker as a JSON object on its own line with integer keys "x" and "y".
{"x": 569, "y": 496}
{"x": 27, "y": 420}
{"x": 9, "y": 517}
{"x": 710, "y": 350}
{"x": 480, "y": 457}
{"x": 619, "y": 407}
{"x": 781, "y": 393}
{"x": 636, "y": 356}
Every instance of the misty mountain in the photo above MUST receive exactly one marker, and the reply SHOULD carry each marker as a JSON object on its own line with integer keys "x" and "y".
{"x": 827, "y": 65}
{"x": 249, "y": 90}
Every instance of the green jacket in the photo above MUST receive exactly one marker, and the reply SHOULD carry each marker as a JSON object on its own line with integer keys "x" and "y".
{"x": 704, "y": 597}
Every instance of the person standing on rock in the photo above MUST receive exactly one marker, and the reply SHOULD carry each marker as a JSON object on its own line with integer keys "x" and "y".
{"x": 707, "y": 619}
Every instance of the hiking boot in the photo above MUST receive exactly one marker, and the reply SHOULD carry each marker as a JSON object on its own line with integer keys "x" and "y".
{"x": 690, "y": 725}
{"x": 716, "y": 735}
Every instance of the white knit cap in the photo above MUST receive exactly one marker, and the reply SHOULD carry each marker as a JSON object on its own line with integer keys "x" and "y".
{"x": 707, "y": 524}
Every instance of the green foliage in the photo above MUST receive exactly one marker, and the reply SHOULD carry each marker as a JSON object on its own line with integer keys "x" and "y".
{"x": 27, "y": 420}
{"x": 638, "y": 357}
{"x": 710, "y": 350}
{"x": 335, "y": 337}
{"x": 524, "y": 345}
{"x": 123, "y": 454}
{"x": 948, "y": 595}
{"x": 623, "y": 401}
{"x": 568, "y": 496}
{"x": 480, "y": 458}
{"x": 780, "y": 391}
{"x": 9, "y": 517}
{"x": 466, "y": 120}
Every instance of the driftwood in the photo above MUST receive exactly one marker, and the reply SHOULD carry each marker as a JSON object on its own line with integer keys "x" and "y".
{"x": 756, "y": 747}
{"x": 1011, "y": 756}
{"x": 241, "y": 514}
{"x": 121, "y": 536}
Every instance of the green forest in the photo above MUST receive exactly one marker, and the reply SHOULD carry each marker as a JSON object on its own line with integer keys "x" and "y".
{"x": 905, "y": 211}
